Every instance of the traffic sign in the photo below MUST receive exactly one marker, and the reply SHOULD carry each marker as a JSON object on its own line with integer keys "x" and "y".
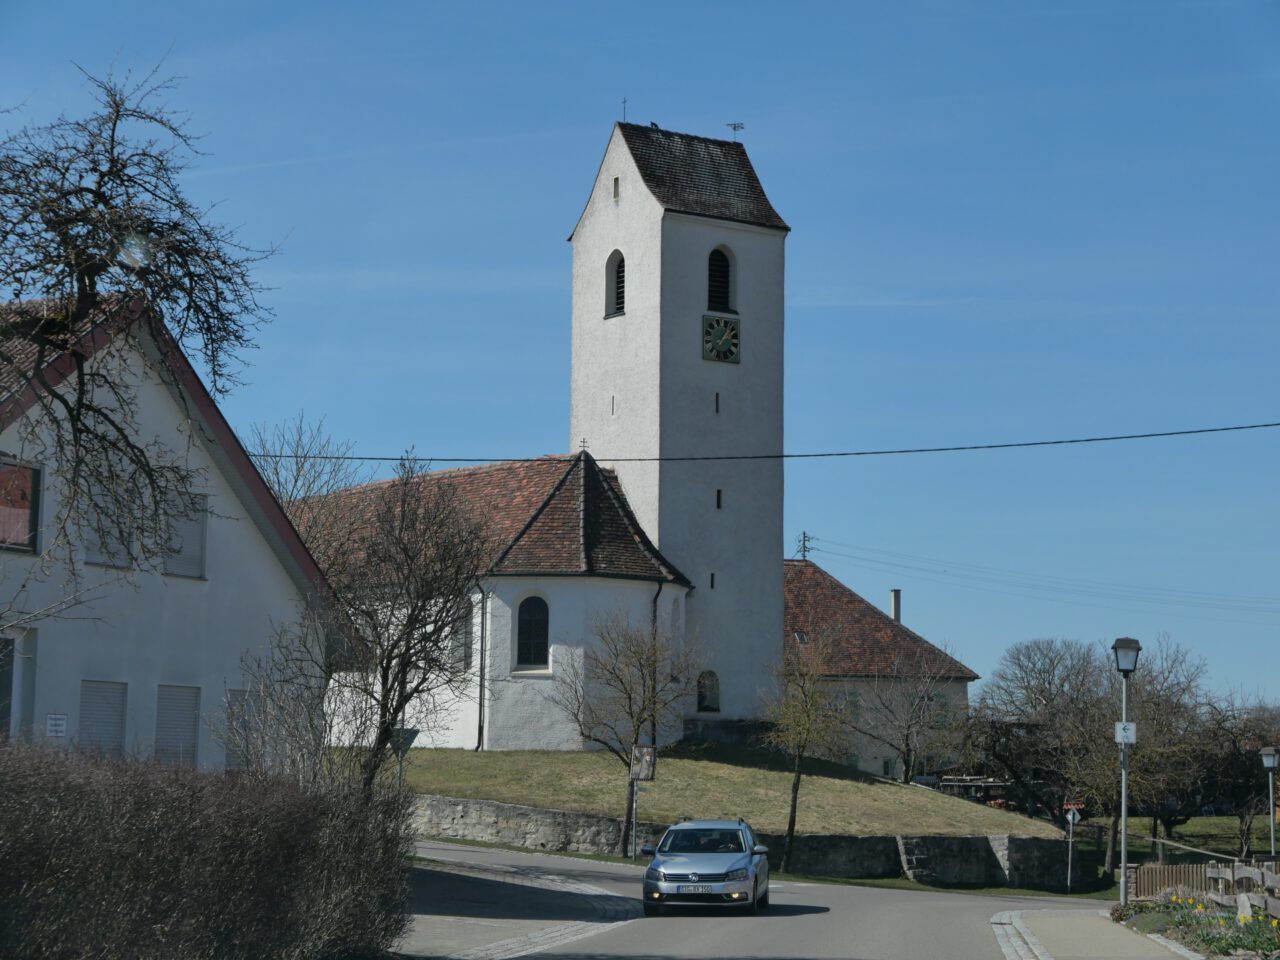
{"x": 1073, "y": 816}
{"x": 1073, "y": 805}
{"x": 1126, "y": 733}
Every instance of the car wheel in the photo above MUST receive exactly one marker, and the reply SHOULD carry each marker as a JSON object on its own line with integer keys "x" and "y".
{"x": 651, "y": 909}
{"x": 754, "y": 906}
{"x": 763, "y": 902}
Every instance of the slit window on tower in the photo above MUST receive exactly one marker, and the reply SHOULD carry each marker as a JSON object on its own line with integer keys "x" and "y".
{"x": 719, "y": 499}
{"x": 718, "y": 282}
{"x": 615, "y": 283}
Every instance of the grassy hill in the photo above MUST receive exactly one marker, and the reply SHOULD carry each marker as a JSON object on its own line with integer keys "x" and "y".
{"x": 710, "y": 782}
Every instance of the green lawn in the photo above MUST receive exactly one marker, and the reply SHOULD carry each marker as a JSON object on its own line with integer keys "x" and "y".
{"x": 710, "y": 782}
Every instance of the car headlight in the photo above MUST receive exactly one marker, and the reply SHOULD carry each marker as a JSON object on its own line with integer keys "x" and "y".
{"x": 739, "y": 874}
{"x": 653, "y": 873}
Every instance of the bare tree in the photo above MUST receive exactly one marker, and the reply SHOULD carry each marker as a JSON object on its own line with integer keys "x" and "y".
{"x": 402, "y": 558}
{"x": 631, "y": 684}
{"x": 912, "y": 707}
{"x": 105, "y": 258}
{"x": 808, "y": 716}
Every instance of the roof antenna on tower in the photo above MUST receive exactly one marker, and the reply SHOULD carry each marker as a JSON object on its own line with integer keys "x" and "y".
{"x": 735, "y": 127}
{"x": 624, "y": 109}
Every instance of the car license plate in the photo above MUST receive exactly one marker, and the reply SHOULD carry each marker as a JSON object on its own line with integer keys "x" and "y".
{"x": 694, "y": 888}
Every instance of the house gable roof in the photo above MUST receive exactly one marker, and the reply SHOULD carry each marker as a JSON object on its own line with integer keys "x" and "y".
{"x": 220, "y": 441}
{"x": 700, "y": 176}
{"x": 865, "y": 641}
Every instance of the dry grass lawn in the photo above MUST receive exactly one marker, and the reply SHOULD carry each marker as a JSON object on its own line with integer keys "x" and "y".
{"x": 710, "y": 782}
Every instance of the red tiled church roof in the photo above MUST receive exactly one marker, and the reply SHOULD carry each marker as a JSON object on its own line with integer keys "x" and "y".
{"x": 553, "y": 516}
{"x": 865, "y": 641}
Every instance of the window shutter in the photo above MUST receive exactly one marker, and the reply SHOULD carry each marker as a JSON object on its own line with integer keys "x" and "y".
{"x": 102, "y": 716}
{"x": 177, "y": 724}
{"x": 187, "y": 556}
{"x": 620, "y": 286}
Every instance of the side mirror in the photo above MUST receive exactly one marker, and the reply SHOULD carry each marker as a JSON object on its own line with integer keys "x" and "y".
{"x": 646, "y": 851}
{"x": 759, "y": 848}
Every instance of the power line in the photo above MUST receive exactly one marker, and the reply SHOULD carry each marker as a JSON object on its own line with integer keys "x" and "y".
{"x": 792, "y": 456}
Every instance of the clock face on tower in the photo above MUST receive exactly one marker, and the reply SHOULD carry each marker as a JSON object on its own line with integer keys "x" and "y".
{"x": 721, "y": 339}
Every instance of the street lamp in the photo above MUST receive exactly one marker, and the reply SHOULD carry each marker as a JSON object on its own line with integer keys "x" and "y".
{"x": 1126, "y": 650}
{"x": 1269, "y": 758}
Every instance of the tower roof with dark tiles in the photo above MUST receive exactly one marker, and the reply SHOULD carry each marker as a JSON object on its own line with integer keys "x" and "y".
{"x": 700, "y": 176}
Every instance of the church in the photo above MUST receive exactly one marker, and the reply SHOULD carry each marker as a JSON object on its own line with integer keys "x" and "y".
{"x": 670, "y": 508}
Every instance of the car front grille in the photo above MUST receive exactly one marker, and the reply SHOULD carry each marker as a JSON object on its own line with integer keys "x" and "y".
{"x": 702, "y": 878}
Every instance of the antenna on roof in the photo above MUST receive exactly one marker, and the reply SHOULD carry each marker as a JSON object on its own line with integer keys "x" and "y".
{"x": 624, "y": 109}
{"x": 735, "y": 127}
{"x": 652, "y": 124}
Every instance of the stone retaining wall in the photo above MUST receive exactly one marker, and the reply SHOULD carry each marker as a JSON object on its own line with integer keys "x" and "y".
{"x": 1027, "y": 862}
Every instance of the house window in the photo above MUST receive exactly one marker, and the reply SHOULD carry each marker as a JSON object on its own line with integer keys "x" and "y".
{"x": 107, "y": 536}
{"x": 531, "y": 633}
{"x": 102, "y": 716}
{"x": 708, "y": 692}
{"x": 177, "y": 724}
{"x": 801, "y": 637}
{"x": 6, "y": 686}
{"x": 19, "y": 507}
{"x": 615, "y": 282}
{"x": 615, "y": 188}
{"x": 237, "y": 731}
{"x": 719, "y": 282}
{"x": 186, "y": 551}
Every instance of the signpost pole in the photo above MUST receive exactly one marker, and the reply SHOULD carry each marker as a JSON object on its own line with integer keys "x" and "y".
{"x": 1071, "y": 833}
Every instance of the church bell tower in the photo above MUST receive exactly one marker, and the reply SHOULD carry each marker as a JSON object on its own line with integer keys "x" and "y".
{"x": 677, "y": 386}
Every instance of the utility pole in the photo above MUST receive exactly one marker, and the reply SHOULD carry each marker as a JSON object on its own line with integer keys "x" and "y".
{"x": 804, "y": 545}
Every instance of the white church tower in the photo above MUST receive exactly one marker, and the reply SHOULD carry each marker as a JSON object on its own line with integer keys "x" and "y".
{"x": 677, "y": 355}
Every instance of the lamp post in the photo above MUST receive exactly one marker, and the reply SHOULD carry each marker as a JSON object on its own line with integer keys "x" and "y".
{"x": 1269, "y": 758}
{"x": 1126, "y": 650}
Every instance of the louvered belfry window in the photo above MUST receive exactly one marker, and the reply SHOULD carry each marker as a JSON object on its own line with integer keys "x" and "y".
{"x": 718, "y": 281}
{"x": 620, "y": 285}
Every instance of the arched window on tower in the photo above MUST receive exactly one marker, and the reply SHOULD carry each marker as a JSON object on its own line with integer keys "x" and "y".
{"x": 615, "y": 284}
{"x": 708, "y": 692}
{"x": 719, "y": 282}
{"x": 531, "y": 633}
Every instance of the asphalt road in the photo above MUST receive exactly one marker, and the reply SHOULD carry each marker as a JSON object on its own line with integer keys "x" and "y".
{"x": 805, "y": 921}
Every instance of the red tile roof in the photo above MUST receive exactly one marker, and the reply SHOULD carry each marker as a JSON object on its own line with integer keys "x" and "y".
{"x": 865, "y": 641}
{"x": 553, "y": 516}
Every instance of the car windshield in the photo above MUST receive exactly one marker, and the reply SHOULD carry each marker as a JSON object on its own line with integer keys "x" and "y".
{"x": 702, "y": 840}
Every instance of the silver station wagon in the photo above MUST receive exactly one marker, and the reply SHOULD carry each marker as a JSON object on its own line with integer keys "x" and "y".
{"x": 707, "y": 862}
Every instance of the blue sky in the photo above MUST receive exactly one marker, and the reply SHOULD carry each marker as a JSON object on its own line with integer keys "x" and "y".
{"x": 1011, "y": 221}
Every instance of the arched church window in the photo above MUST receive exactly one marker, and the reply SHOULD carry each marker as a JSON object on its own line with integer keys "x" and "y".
{"x": 464, "y": 643}
{"x": 531, "y": 633}
{"x": 615, "y": 282}
{"x": 719, "y": 282}
{"x": 708, "y": 692}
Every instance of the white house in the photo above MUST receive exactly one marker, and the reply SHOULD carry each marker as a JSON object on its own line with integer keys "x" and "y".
{"x": 141, "y": 662}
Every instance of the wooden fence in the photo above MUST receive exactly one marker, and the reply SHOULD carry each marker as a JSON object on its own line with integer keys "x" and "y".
{"x": 1152, "y": 878}
{"x": 1259, "y": 885}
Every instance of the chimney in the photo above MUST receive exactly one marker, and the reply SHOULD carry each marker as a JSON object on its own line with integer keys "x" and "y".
{"x": 895, "y": 604}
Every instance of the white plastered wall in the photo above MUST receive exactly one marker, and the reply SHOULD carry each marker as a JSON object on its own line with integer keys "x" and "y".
{"x": 518, "y": 712}
{"x": 153, "y": 629}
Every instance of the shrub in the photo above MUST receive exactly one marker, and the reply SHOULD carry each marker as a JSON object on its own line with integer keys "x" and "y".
{"x": 107, "y": 858}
